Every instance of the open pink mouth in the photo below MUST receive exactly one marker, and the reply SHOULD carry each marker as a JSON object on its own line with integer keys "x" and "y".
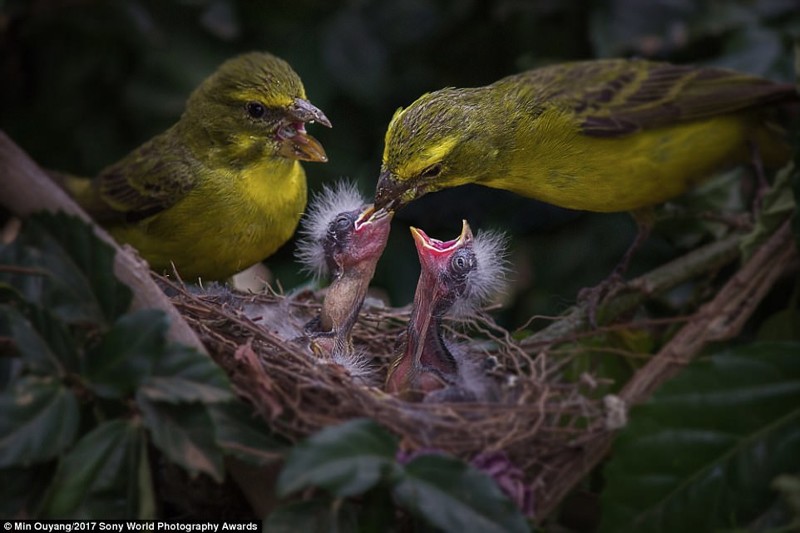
{"x": 292, "y": 130}
{"x": 442, "y": 247}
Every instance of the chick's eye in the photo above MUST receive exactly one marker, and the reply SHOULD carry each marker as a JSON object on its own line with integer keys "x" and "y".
{"x": 461, "y": 263}
{"x": 342, "y": 222}
{"x": 255, "y": 109}
{"x": 432, "y": 171}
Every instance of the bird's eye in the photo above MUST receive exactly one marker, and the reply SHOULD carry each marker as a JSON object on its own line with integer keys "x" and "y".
{"x": 461, "y": 263}
{"x": 432, "y": 171}
{"x": 342, "y": 222}
{"x": 255, "y": 109}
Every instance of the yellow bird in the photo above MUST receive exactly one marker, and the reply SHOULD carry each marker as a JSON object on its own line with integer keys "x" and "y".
{"x": 223, "y": 187}
{"x": 605, "y": 135}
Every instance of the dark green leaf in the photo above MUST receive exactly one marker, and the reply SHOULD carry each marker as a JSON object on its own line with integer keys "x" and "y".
{"x": 28, "y": 343}
{"x": 318, "y": 515}
{"x": 347, "y": 459}
{"x": 183, "y": 374}
{"x": 241, "y": 434}
{"x": 453, "y": 496}
{"x": 127, "y": 353}
{"x": 71, "y": 270}
{"x": 38, "y": 420}
{"x": 701, "y": 454}
{"x": 100, "y": 477}
{"x": 185, "y": 435}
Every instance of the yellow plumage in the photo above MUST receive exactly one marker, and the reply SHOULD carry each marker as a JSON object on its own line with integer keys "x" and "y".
{"x": 605, "y": 135}
{"x": 221, "y": 189}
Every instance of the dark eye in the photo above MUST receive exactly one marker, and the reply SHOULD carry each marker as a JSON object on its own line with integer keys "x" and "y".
{"x": 432, "y": 171}
{"x": 461, "y": 263}
{"x": 342, "y": 222}
{"x": 255, "y": 109}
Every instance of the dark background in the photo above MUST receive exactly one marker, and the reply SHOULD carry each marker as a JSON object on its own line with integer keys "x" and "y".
{"x": 84, "y": 81}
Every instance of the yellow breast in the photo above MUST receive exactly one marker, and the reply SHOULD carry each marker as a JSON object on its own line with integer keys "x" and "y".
{"x": 230, "y": 221}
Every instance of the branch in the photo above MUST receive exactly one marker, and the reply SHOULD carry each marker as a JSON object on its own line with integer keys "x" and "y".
{"x": 720, "y": 319}
{"x": 705, "y": 259}
{"x": 26, "y": 189}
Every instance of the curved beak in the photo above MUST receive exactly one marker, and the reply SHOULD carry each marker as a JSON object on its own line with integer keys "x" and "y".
{"x": 304, "y": 111}
{"x": 433, "y": 253}
{"x": 392, "y": 194}
{"x": 295, "y": 142}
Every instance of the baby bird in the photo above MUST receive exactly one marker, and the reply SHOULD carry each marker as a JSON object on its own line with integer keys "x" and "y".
{"x": 342, "y": 237}
{"x": 459, "y": 274}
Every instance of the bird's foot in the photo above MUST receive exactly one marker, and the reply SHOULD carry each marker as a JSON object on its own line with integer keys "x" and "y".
{"x": 592, "y": 297}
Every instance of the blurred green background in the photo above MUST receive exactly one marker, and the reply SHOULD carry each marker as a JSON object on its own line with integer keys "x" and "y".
{"x": 85, "y": 81}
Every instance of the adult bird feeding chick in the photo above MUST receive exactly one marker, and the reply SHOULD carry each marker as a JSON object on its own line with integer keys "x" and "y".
{"x": 455, "y": 275}
{"x": 343, "y": 238}
{"x": 606, "y": 135}
{"x": 223, "y": 187}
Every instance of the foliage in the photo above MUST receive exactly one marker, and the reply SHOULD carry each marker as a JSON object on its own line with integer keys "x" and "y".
{"x": 92, "y": 387}
{"x": 92, "y": 390}
{"x": 703, "y": 453}
{"x": 360, "y": 458}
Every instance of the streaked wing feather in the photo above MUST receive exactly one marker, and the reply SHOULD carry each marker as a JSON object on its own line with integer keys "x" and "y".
{"x": 140, "y": 186}
{"x": 618, "y": 96}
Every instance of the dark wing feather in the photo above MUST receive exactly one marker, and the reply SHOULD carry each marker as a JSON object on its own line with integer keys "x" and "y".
{"x": 149, "y": 180}
{"x": 616, "y": 97}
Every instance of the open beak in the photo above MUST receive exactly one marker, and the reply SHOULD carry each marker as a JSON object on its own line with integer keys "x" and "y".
{"x": 433, "y": 253}
{"x": 295, "y": 142}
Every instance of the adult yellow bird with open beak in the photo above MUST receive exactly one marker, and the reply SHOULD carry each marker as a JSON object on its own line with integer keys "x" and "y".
{"x": 222, "y": 188}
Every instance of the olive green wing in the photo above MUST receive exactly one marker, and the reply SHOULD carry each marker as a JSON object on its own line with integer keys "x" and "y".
{"x": 618, "y": 97}
{"x": 149, "y": 180}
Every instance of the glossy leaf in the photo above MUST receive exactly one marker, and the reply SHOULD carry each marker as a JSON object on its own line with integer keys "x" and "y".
{"x": 127, "y": 353}
{"x": 453, "y": 496}
{"x": 347, "y": 459}
{"x": 185, "y": 435}
{"x": 32, "y": 347}
{"x": 242, "y": 434}
{"x": 701, "y": 454}
{"x": 182, "y": 374}
{"x": 70, "y": 270}
{"x": 38, "y": 419}
{"x": 100, "y": 477}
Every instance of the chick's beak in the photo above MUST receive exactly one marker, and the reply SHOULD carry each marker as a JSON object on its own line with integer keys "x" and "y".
{"x": 433, "y": 253}
{"x": 295, "y": 142}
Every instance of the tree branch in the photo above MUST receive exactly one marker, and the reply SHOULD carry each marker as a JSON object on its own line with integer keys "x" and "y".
{"x": 26, "y": 189}
{"x": 720, "y": 319}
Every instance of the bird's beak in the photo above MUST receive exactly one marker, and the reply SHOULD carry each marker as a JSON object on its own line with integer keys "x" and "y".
{"x": 433, "y": 253}
{"x": 304, "y": 111}
{"x": 295, "y": 142}
{"x": 392, "y": 193}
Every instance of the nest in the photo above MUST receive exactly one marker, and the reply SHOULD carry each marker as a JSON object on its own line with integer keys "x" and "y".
{"x": 536, "y": 419}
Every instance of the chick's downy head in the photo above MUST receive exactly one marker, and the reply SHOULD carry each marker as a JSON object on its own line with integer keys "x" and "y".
{"x": 462, "y": 273}
{"x": 255, "y": 105}
{"x": 341, "y": 232}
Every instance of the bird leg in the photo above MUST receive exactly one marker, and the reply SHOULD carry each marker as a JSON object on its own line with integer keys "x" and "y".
{"x": 594, "y": 296}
